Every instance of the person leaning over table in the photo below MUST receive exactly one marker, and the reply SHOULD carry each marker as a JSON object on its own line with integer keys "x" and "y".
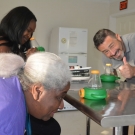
{"x": 45, "y": 126}
{"x": 34, "y": 85}
{"x": 119, "y": 51}
{"x": 16, "y": 29}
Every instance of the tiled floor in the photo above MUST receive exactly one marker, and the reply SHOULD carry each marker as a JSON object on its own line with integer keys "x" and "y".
{"x": 74, "y": 123}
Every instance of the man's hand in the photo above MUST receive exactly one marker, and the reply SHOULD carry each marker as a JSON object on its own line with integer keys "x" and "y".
{"x": 127, "y": 70}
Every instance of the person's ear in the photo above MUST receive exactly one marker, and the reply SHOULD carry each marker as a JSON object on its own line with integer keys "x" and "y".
{"x": 118, "y": 37}
{"x": 37, "y": 91}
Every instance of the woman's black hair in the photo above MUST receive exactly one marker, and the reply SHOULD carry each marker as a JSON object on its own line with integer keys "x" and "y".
{"x": 14, "y": 24}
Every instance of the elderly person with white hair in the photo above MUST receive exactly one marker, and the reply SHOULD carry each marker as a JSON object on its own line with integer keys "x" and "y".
{"x": 42, "y": 82}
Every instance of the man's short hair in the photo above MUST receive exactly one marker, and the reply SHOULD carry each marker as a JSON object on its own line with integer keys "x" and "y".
{"x": 101, "y": 35}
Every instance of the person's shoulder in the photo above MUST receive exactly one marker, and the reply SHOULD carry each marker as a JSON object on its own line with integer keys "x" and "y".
{"x": 129, "y": 36}
{"x": 129, "y": 39}
{"x": 2, "y": 40}
{"x": 11, "y": 90}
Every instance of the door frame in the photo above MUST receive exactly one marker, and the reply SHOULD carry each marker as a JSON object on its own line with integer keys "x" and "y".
{"x": 112, "y": 18}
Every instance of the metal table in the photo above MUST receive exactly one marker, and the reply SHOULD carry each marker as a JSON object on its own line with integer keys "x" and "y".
{"x": 117, "y": 110}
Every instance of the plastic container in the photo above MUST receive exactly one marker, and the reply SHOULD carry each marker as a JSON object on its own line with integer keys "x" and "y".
{"x": 109, "y": 78}
{"x": 34, "y": 43}
{"x": 94, "y": 90}
{"x": 108, "y": 69}
{"x": 89, "y": 93}
{"x": 95, "y": 81}
{"x": 41, "y": 49}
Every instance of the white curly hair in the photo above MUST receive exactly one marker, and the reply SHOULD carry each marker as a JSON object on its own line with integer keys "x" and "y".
{"x": 45, "y": 68}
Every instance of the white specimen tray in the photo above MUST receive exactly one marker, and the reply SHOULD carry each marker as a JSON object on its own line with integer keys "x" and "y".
{"x": 81, "y": 68}
{"x": 80, "y": 78}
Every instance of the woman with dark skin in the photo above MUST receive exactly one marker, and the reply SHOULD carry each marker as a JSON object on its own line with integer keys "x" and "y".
{"x": 16, "y": 29}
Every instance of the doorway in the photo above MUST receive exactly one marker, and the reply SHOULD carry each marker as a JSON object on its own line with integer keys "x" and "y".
{"x": 122, "y": 22}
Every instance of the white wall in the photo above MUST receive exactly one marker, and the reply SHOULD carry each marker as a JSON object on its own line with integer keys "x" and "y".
{"x": 89, "y": 14}
{"x": 114, "y": 7}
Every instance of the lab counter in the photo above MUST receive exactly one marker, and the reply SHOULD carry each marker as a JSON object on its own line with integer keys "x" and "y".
{"x": 117, "y": 110}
